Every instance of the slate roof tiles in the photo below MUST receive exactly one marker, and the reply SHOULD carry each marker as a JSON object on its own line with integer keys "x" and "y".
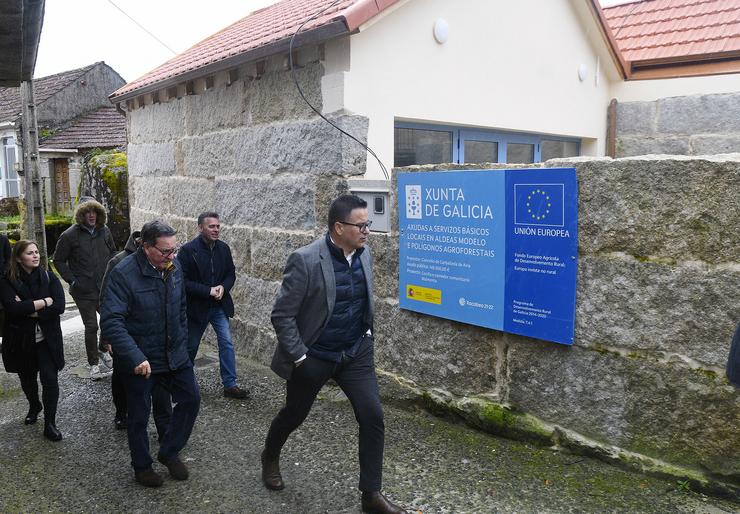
{"x": 104, "y": 128}
{"x": 43, "y": 88}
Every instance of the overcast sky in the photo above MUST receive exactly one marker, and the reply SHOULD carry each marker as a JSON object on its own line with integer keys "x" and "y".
{"x": 80, "y": 32}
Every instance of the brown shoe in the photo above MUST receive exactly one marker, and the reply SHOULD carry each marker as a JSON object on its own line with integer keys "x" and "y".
{"x": 148, "y": 478}
{"x": 236, "y": 392}
{"x": 176, "y": 467}
{"x": 271, "y": 473}
{"x": 376, "y": 503}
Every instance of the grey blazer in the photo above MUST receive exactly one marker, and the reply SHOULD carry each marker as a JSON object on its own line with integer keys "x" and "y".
{"x": 306, "y": 300}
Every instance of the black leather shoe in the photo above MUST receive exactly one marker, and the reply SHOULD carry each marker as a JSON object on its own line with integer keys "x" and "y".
{"x": 120, "y": 422}
{"x": 52, "y": 433}
{"x": 236, "y": 392}
{"x": 271, "y": 473}
{"x": 33, "y": 415}
{"x": 176, "y": 467}
{"x": 148, "y": 478}
{"x": 376, "y": 503}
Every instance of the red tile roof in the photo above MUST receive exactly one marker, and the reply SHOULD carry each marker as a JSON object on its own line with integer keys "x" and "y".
{"x": 260, "y": 29}
{"x": 654, "y": 31}
{"x": 104, "y": 128}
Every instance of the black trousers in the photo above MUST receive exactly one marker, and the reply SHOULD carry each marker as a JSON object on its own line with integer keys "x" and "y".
{"x": 161, "y": 400}
{"x": 359, "y": 382}
{"x": 186, "y": 396}
{"x": 47, "y": 370}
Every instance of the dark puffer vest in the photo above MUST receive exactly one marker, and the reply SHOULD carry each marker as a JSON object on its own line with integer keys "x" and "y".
{"x": 345, "y": 326}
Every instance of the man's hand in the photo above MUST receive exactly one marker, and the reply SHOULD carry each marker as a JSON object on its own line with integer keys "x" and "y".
{"x": 108, "y": 348}
{"x": 49, "y": 301}
{"x": 217, "y": 292}
{"x": 143, "y": 369}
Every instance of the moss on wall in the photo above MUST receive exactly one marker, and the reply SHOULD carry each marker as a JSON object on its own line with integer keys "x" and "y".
{"x": 105, "y": 178}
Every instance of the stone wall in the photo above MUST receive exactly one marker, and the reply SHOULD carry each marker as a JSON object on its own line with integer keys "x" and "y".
{"x": 657, "y": 288}
{"x": 252, "y": 150}
{"x": 658, "y": 297}
{"x": 681, "y": 125}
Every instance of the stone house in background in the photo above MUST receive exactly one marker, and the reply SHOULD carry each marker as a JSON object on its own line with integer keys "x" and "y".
{"x": 74, "y": 116}
{"x": 222, "y": 127}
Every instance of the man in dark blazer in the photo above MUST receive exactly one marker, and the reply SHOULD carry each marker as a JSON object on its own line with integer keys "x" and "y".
{"x": 323, "y": 318}
{"x": 209, "y": 273}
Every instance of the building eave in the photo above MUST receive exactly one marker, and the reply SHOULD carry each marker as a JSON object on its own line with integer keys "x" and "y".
{"x": 321, "y": 34}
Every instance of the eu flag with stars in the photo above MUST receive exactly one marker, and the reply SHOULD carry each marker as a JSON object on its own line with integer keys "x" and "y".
{"x": 539, "y": 204}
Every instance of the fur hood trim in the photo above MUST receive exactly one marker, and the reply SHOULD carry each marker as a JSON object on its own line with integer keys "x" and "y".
{"x": 90, "y": 205}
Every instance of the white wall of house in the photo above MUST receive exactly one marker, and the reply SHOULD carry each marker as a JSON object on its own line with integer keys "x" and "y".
{"x": 651, "y": 90}
{"x": 510, "y": 66}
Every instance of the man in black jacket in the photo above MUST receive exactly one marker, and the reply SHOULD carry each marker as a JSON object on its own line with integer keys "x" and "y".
{"x": 143, "y": 317}
{"x": 209, "y": 274}
{"x": 161, "y": 401}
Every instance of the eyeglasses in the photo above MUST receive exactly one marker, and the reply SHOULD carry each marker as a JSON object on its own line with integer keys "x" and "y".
{"x": 168, "y": 252}
{"x": 362, "y": 226}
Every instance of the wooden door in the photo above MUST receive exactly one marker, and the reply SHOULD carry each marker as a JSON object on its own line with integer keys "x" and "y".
{"x": 61, "y": 185}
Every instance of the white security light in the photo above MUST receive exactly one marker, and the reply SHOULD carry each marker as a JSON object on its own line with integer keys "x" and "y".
{"x": 441, "y": 31}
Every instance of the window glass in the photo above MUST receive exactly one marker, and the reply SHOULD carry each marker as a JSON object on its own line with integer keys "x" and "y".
{"x": 9, "y": 162}
{"x": 12, "y": 188}
{"x": 418, "y": 146}
{"x": 481, "y": 151}
{"x": 519, "y": 153}
{"x": 554, "y": 149}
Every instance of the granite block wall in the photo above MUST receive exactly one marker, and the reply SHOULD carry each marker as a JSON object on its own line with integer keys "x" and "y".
{"x": 681, "y": 125}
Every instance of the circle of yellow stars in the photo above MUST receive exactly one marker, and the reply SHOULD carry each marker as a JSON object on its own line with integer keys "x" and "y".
{"x": 542, "y": 195}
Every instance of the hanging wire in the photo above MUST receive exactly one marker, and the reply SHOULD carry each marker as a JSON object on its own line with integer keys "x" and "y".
{"x": 300, "y": 91}
{"x": 142, "y": 27}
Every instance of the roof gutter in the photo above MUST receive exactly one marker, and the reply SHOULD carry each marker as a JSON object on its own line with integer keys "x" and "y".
{"x": 624, "y": 66}
{"x": 318, "y": 35}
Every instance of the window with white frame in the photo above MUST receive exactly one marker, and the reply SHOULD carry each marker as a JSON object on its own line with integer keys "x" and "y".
{"x": 8, "y": 175}
{"x": 416, "y": 143}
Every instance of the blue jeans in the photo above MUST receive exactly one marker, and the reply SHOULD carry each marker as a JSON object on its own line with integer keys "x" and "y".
{"x": 220, "y": 323}
{"x": 186, "y": 396}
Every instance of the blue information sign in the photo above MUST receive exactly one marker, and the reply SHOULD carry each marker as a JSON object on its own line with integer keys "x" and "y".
{"x": 493, "y": 248}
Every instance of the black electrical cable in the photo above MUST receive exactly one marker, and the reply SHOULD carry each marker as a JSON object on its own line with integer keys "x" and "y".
{"x": 300, "y": 91}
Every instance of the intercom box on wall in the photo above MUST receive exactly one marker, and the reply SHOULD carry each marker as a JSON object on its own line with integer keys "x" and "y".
{"x": 377, "y": 195}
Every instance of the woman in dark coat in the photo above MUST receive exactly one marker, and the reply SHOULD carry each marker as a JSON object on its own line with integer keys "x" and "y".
{"x": 32, "y": 344}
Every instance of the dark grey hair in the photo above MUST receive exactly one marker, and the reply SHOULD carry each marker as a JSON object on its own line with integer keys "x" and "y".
{"x": 203, "y": 215}
{"x": 153, "y": 230}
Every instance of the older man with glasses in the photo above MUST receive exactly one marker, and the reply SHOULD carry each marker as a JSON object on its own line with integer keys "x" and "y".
{"x": 143, "y": 317}
{"x": 323, "y": 317}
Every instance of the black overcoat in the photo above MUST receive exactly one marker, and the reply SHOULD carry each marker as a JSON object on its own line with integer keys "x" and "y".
{"x": 19, "y": 329}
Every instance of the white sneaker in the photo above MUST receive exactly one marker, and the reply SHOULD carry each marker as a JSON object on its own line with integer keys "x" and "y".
{"x": 96, "y": 374}
{"x": 107, "y": 359}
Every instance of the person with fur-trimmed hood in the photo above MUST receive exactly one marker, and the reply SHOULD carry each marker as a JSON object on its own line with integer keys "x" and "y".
{"x": 81, "y": 256}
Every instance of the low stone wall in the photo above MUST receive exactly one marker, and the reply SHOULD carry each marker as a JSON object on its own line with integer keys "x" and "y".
{"x": 658, "y": 297}
{"x": 657, "y": 287}
{"x": 681, "y": 125}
